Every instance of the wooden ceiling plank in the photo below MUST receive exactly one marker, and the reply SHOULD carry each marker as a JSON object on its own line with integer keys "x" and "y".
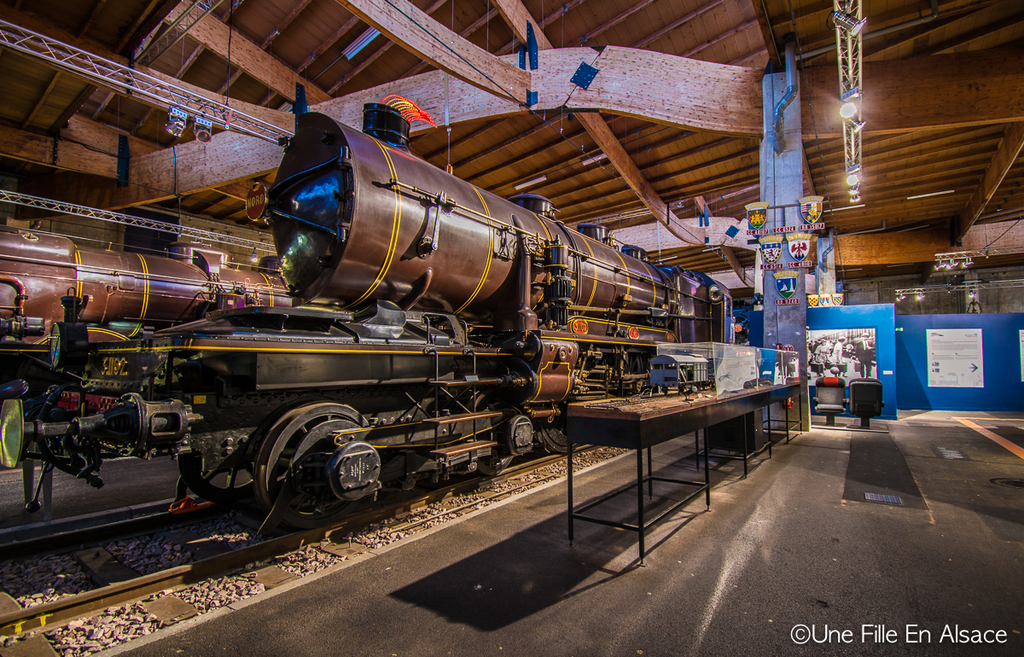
{"x": 359, "y": 68}
{"x": 721, "y": 37}
{"x": 328, "y": 42}
{"x": 92, "y": 17}
{"x": 973, "y": 35}
{"x": 103, "y": 104}
{"x": 1005, "y": 157}
{"x": 924, "y": 93}
{"x": 42, "y": 99}
{"x": 130, "y": 33}
{"x": 414, "y": 30}
{"x": 284, "y": 23}
{"x": 612, "y": 22}
{"x": 651, "y": 38}
{"x": 249, "y": 57}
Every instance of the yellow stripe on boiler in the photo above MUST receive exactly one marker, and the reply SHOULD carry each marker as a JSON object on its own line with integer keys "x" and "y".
{"x": 488, "y": 257}
{"x": 396, "y": 222}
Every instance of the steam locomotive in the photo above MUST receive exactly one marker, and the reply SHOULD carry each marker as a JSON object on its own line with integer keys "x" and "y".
{"x": 438, "y": 329}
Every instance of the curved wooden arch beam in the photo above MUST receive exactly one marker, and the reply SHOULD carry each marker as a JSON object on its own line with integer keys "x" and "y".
{"x": 685, "y": 93}
{"x": 656, "y": 87}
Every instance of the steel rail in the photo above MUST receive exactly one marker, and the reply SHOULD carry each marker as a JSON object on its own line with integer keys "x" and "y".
{"x": 59, "y": 612}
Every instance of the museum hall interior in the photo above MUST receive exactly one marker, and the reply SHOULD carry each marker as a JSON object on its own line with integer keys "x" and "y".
{"x": 511, "y": 327}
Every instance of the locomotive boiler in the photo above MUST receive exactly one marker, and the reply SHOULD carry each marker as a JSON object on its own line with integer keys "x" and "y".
{"x": 442, "y": 330}
{"x": 120, "y": 292}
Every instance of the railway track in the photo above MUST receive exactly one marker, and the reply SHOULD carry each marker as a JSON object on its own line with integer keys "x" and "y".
{"x": 252, "y": 568}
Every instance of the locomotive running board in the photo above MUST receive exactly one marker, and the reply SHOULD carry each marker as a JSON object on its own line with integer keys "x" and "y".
{"x": 452, "y": 419}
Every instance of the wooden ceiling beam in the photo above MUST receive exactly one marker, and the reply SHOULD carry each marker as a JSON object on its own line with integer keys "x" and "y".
{"x": 92, "y": 17}
{"x": 1007, "y": 154}
{"x": 42, "y": 99}
{"x": 651, "y": 38}
{"x": 377, "y": 54}
{"x": 40, "y": 149}
{"x": 973, "y": 35}
{"x": 767, "y": 35}
{"x": 612, "y": 22}
{"x": 284, "y": 23}
{"x": 249, "y": 57}
{"x": 924, "y": 93}
{"x": 414, "y": 30}
{"x": 328, "y": 42}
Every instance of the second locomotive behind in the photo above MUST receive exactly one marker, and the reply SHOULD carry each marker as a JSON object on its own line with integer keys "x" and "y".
{"x": 444, "y": 331}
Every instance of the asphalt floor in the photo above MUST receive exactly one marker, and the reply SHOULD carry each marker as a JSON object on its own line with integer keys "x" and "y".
{"x": 793, "y": 560}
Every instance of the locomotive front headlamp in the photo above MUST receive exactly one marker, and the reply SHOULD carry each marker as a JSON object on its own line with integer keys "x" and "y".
{"x": 69, "y": 346}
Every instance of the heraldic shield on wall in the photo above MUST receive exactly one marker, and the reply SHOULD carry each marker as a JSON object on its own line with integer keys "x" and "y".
{"x": 785, "y": 283}
{"x": 799, "y": 245}
{"x": 771, "y": 248}
{"x": 757, "y": 214}
{"x": 811, "y": 208}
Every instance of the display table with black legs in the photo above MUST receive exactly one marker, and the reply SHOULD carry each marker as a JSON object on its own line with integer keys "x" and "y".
{"x": 641, "y": 423}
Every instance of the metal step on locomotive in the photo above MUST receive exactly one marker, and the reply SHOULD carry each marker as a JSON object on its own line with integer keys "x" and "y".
{"x": 440, "y": 330}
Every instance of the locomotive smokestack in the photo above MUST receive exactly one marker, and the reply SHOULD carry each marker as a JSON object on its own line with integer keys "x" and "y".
{"x": 386, "y": 124}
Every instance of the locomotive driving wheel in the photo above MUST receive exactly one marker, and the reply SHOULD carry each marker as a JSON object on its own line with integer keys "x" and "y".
{"x": 223, "y": 485}
{"x": 290, "y": 474}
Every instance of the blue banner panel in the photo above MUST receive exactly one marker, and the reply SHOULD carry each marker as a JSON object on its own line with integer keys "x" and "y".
{"x": 1001, "y": 348}
{"x": 861, "y": 343}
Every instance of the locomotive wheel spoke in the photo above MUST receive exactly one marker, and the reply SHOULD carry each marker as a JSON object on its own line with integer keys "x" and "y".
{"x": 300, "y": 432}
{"x": 222, "y": 485}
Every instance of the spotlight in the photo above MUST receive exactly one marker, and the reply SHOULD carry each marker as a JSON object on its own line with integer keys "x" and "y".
{"x": 855, "y": 198}
{"x": 849, "y": 107}
{"x": 849, "y": 23}
{"x": 253, "y": 258}
{"x": 920, "y": 295}
{"x": 176, "y": 120}
{"x": 203, "y": 129}
{"x": 857, "y": 125}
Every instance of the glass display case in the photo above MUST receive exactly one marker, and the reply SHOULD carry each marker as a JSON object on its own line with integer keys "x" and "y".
{"x": 729, "y": 368}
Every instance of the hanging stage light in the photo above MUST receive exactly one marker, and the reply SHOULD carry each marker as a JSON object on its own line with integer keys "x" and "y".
{"x": 848, "y": 23}
{"x": 849, "y": 109}
{"x": 853, "y": 176}
{"x": 203, "y": 129}
{"x": 176, "y": 120}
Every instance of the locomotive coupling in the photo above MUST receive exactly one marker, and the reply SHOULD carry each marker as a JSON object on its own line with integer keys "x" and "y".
{"x": 133, "y": 425}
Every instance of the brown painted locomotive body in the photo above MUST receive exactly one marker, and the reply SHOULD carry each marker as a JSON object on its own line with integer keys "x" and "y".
{"x": 121, "y": 291}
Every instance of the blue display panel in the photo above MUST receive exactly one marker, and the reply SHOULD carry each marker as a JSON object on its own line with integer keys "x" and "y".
{"x": 1001, "y": 348}
{"x": 856, "y": 329}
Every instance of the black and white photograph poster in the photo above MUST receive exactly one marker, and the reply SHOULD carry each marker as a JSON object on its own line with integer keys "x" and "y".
{"x": 848, "y": 353}
{"x": 955, "y": 358}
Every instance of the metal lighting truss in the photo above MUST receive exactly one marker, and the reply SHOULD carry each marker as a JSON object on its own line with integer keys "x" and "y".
{"x": 153, "y": 46}
{"x": 121, "y": 79}
{"x": 849, "y": 59}
{"x": 128, "y": 220}
{"x": 965, "y": 259}
{"x": 970, "y": 287}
